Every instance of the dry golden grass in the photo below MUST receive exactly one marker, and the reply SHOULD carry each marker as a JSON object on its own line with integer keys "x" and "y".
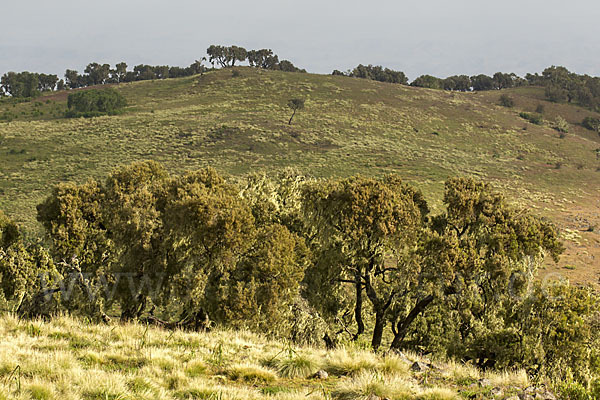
{"x": 70, "y": 359}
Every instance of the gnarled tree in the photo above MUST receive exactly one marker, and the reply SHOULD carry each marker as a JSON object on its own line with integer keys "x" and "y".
{"x": 359, "y": 224}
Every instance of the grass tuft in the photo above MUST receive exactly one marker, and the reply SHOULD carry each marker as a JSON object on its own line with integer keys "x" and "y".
{"x": 39, "y": 391}
{"x": 516, "y": 378}
{"x": 366, "y": 385}
{"x": 438, "y": 394}
{"x": 250, "y": 374}
{"x": 294, "y": 366}
{"x": 343, "y": 362}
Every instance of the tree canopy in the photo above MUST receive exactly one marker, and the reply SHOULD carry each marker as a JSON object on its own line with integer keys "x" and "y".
{"x": 361, "y": 258}
{"x": 27, "y": 84}
{"x": 94, "y": 102}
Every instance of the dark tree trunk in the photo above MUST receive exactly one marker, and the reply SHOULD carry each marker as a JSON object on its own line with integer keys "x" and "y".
{"x": 197, "y": 322}
{"x": 360, "y": 325}
{"x": 135, "y": 310}
{"x": 378, "y": 330}
{"x": 290, "y": 121}
{"x": 329, "y": 342}
{"x": 402, "y": 327}
{"x": 380, "y": 306}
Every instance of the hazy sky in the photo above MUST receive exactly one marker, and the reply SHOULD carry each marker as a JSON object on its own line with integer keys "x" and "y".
{"x": 439, "y": 37}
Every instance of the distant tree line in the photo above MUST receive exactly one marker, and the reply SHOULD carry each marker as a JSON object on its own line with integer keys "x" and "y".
{"x": 464, "y": 83}
{"x": 28, "y": 84}
{"x": 359, "y": 259}
{"x": 561, "y": 84}
{"x": 101, "y": 74}
{"x": 376, "y": 73}
{"x": 461, "y": 83}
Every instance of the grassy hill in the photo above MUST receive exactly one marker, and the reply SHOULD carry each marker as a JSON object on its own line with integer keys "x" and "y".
{"x": 68, "y": 359}
{"x": 237, "y": 123}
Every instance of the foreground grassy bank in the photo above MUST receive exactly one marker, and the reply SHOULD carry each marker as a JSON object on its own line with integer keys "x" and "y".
{"x": 71, "y": 359}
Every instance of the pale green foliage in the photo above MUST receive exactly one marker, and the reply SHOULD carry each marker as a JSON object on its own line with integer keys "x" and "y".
{"x": 559, "y": 326}
{"x": 356, "y": 224}
{"x": 131, "y": 213}
{"x": 283, "y": 255}
{"x": 561, "y": 124}
{"x": 261, "y": 289}
{"x": 490, "y": 252}
{"x": 185, "y": 244}
{"x": 209, "y": 228}
{"x": 276, "y": 198}
{"x": 25, "y": 271}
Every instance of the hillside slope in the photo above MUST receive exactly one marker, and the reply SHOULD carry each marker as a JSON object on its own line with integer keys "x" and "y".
{"x": 238, "y": 124}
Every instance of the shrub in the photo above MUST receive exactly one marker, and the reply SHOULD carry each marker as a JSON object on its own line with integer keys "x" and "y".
{"x": 556, "y": 94}
{"x": 378, "y": 73}
{"x": 506, "y": 101}
{"x": 540, "y": 109}
{"x": 561, "y": 125}
{"x": 533, "y": 118}
{"x": 577, "y": 391}
{"x": 591, "y": 123}
{"x": 94, "y": 103}
{"x": 24, "y": 269}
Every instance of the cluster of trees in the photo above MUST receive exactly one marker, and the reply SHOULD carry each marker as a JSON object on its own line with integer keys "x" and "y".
{"x": 464, "y": 83}
{"x": 591, "y": 123}
{"x": 28, "y": 84}
{"x": 563, "y": 85}
{"x": 94, "y": 102}
{"x": 357, "y": 258}
{"x": 227, "y": 56}
{"x": 560, "y": 84}
{"x": 100, "y": 74}
{"x": 376, "y": 73}
{"x": 461, "y": 83}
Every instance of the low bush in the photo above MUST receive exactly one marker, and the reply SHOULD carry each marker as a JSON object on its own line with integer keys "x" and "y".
{"x": 591, "y": 123}
{"x": 95, "y": 103}
{"x": 561, "y": 125}
{"x": 533, "y": 118}
{"x": 506, "y": 101}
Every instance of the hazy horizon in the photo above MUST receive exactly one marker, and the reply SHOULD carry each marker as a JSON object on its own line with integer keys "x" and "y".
{"x": 427, "y": 37}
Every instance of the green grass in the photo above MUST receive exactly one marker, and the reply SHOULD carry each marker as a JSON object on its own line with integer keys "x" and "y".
{"x": 43, "y": 367}
{"x": 349, "y": 126}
